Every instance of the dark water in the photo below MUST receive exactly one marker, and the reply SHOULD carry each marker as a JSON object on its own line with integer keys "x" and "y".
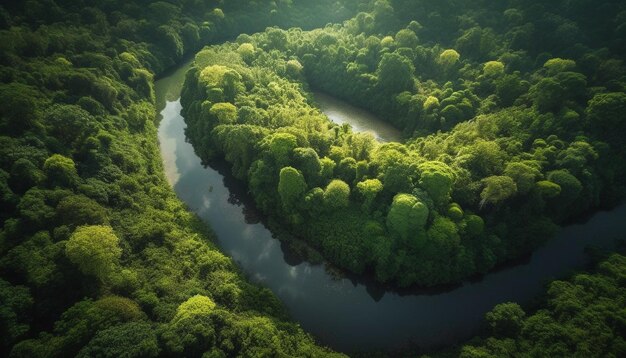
{"x": 342, "y": 313}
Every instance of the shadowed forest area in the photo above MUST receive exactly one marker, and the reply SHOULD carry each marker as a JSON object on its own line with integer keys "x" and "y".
{"x": 512, "y": 116}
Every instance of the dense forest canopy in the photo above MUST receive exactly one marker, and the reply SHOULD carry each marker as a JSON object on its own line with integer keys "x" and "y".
{"x": 98, "y": 256}
{"x": 513, "y": 119}
{"x": 505, "y": 139}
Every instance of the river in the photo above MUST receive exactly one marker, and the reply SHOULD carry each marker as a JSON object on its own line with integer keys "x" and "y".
{"x": 342, "y": 313}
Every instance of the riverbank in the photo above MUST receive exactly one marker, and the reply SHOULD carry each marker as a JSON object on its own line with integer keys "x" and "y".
{"x": 350, "y": 314}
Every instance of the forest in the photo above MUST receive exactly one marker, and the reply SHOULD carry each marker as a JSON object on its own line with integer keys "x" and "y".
{"x": 512, "y": 115}
{"x": 505, "y": 139}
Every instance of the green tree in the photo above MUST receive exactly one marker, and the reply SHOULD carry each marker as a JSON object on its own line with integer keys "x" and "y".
{"x": 497, "y": 189}
{"x": 337, "y": 194}
{"x": 437, "y": 179}
{"x": 406, "y": 216}
{"x": 369, "y": 189}
{"x": 493, "y": 68}
{"x": 225, "y": 113}
{"x": 523, "y": 174}
{"x": 406, "y": 38}
{"x": 569, "y": 184}
{"x": 291, "y": 187}
{"x": 133, "y": 339}
{"x": 24, "y": 175}
{"x": 395, "y": 73}
{"x": 15, "y": 301}
{"x": 95, "y": 250}
{"x": 60, "y": 171}
{"x": 605, "y": 113}
{"x": 506, "y": 319}
{"x": 191, "y": 332}
{"x": 69, "y": 123}
{"x": 79, "y": 210}
{"x": 281, "y": 146}
{"x": 556, "y": 65}
{"x": 308, "y": 162}
{"x": 246, "y": 51}
{"x": 448, "y": 60}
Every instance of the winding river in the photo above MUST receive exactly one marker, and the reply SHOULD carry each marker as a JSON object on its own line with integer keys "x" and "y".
{"x": 342, "y": 313}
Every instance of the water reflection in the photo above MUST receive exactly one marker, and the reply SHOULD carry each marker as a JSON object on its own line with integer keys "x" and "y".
{"x": 349, "y": 313}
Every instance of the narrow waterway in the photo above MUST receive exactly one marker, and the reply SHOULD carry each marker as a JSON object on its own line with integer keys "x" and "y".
{"x": 342, "y": 313}
{"x": 361, "y": 120}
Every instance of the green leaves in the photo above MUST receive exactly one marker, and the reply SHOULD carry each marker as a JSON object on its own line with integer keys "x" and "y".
{"x": 497, "y": 189}
{"x": 60, "y": 171}
{"x": 407, "y": 216}
{"x": 291, "y": 187}
{"x": 337, "y": 195}
{"x": 395, "y": 73}
{"x": 95, "y": 250}
{"x": 436, "y": 178}
{"x": 505, "y": 319}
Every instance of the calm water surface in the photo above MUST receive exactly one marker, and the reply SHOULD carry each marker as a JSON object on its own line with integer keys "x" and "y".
{"x": 342, "y": 313}
{"x": 361, "y": 120}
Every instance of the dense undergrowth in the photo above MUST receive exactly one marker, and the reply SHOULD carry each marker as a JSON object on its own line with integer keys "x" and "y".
{"x": 98, "y": 256}
{"x": 512, "y": 113}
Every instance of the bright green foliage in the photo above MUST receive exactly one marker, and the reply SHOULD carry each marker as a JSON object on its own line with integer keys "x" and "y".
{"x": 369, "y": 189}
{"x": 436, "y": 178}
{"x": 195, "y": 306}
{"x": 406, "y": 38}
{"x": 139, "y": 114}
{"x": 431, "y": 103}
{"x": 226, "y": 113}
{"x": 485, "y": 126}
{"x": 449, "y": 58}
{"x": 281, "y": 145}
{"x": 60, "y": 171}
{"x": 213, "y": 76}
{"x": 557, "y": 65}
{"x": 191, "y": 330}
{"x": 406, "y": 216}
{"x": 548, "y": 189}
{"x": 294, "y": 68}
{"x": 78, "y": 146}
{"x": 307, "y": 160}
{"x": 337, "y": 194}
{"x": 291, "y": 187}
{"x": 328, "y": 167}
{"x": 497, "y": 189}
{"x": 246, "y": 51}
{"x": 523, "y": 174}
{"x": 95, "y": 250}
{"x": 493, "y": 68}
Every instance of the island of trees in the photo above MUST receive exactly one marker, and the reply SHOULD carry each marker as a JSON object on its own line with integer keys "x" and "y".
{"x": 513, "y": 119}
{"x": 512, "y": 124}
